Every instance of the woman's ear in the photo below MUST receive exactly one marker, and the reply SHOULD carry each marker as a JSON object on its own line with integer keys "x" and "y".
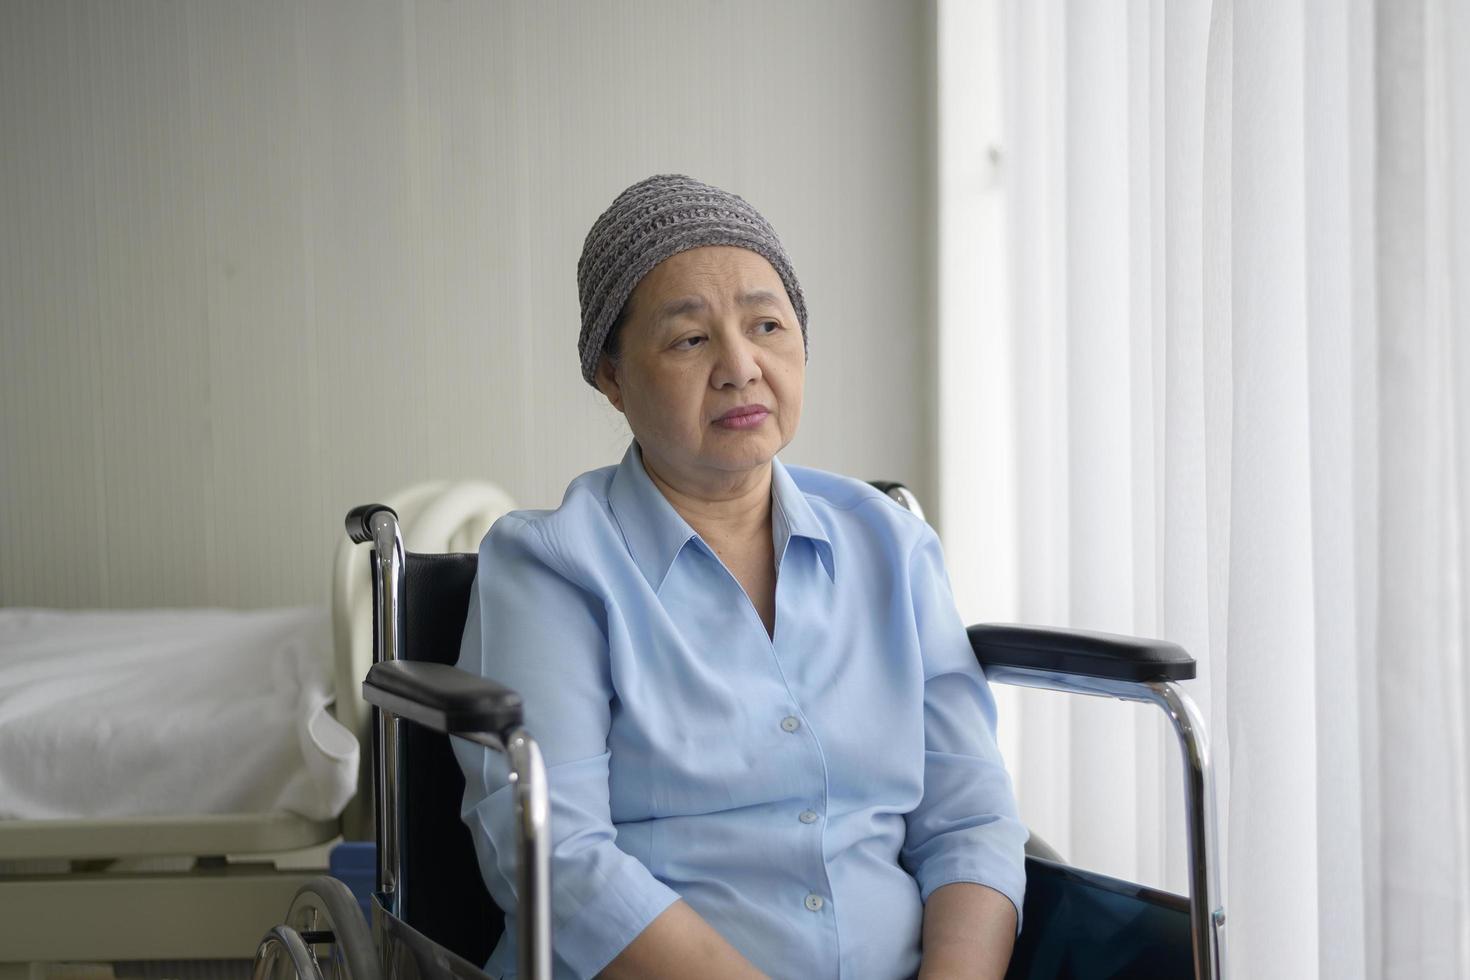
{"x": 606, "y": 377}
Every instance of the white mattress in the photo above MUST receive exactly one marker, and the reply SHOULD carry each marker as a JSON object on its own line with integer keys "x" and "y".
{"x": 151, "y": 712}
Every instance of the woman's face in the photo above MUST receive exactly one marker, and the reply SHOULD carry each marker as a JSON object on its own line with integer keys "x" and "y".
{"x": 707, "y": 331}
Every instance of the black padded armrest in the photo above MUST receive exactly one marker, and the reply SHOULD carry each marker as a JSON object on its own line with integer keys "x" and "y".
{"x": 442, "y": 698}
{"x": 1082, "y": 652}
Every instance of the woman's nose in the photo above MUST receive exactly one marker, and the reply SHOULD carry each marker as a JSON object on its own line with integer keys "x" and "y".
{"x": 735, "y": 364}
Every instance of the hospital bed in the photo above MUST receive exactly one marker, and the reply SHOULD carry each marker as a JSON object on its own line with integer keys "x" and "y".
{"x": 141, "y": 749}
{"x": 189, "y": 885}
{"x": 431, "y": 914}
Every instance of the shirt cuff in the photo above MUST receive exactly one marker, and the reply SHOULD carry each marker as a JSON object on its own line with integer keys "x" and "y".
{"x": 1011, "y": 884}
{"x": 629, "y": 899}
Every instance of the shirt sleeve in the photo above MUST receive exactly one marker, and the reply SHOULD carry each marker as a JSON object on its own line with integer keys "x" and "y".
{"x": 966, "y": 827}
{"x": 533, "y": 629}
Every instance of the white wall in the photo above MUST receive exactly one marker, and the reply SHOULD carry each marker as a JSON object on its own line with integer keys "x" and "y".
{"x": 262, "y": 261}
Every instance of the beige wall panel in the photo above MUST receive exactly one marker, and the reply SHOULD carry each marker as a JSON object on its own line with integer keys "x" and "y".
{"x": 152, "y": 339}
{"x": 52, "y": 535}
{"x": 265, "y": 456}
{"x": 266, "y": 261}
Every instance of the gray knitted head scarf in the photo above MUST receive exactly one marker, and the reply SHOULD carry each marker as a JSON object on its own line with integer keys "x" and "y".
{"x": 652, "y": 220}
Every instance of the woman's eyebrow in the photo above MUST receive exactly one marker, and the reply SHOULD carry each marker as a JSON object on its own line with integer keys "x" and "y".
{"x": 758, "y": 297}
{"x": 678, "y": 307}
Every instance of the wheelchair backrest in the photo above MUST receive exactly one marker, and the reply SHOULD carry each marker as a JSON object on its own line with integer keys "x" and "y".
{"x": 442, "y": 893}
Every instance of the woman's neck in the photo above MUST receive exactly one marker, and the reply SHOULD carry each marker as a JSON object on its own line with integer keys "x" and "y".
{"x": 738, "y": 513}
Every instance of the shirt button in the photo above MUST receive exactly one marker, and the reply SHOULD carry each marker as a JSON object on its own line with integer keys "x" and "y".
{"x": 790, "y": 723}
{"x": 814, "y": 903}
{"x": 808, "y": 816}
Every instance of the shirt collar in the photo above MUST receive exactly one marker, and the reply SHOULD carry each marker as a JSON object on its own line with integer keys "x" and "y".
{"x": 655, "y": 533}
{"x": 792, "y": 517}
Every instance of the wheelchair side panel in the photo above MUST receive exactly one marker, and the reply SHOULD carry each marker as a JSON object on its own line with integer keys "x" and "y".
{"x": 410, "y": 955}
{"x": 1088, "y": 926}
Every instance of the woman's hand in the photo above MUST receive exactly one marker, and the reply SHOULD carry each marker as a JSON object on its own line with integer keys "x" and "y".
{"x": 679, "y": 943}
{"x": 969, "y": 931}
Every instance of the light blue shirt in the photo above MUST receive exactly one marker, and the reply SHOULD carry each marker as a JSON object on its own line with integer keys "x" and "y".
{"x": 804, "y": 794}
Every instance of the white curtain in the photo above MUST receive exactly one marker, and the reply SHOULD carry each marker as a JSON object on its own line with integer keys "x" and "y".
{"x": 1204, "y": 374}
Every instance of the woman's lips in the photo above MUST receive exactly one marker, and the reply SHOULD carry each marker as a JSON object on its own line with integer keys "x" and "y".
{"x": 747, "y": 417}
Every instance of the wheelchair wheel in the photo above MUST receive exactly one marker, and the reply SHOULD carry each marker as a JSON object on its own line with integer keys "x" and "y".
{"x": 333, "y": 935}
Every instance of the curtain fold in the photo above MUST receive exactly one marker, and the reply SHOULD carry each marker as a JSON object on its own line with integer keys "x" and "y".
{"x": 1422, "y": 492}
{"x": 1237, "y": 300}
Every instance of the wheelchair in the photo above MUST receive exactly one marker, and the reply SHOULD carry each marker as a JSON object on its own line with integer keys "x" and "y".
{"x": 432, "y": 916}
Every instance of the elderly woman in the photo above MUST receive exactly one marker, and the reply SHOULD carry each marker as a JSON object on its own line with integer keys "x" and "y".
{"x": 770, "y": 749}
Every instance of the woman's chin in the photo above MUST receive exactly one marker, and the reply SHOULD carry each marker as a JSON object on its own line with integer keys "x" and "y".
{"x": 748, "y": 454}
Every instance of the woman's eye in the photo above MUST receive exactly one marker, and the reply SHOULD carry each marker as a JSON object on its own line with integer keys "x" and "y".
{"x": 768, "y": 323}
{"x": 688, "y": 343}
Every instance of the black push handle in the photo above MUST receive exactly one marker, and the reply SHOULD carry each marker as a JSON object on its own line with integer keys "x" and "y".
{"x": 359, "y": 521}
{"x": 886, "y": 486}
